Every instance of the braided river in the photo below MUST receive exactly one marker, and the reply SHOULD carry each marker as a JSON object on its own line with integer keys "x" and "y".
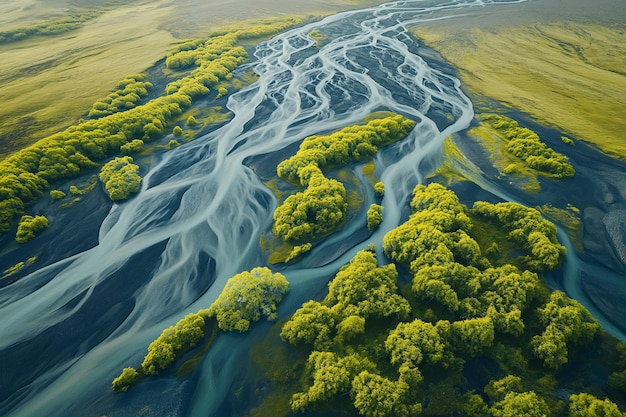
{"x": 68, "y": 328}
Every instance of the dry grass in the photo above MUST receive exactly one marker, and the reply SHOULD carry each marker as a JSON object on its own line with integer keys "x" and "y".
{"x": 569, "y": 75}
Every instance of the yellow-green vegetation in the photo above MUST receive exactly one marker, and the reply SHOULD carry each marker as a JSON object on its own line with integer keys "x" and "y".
{"x": 406, "y": 355}
{"x": 18, "y": 266}
{"x": 350, "y": 144}
{"x": 53, "y": 26}
{"x": 374, "y": 216}
{"x": 57, "y": 194}
{"x": 29, "y": 227}
{"x": 134, "y": 146}
{"x": 569, "y": 75}
{"x": 361, "y": 290}
{"x": 84, "y": 188}
{"x": 321, "y": 208}
{"x": 172, "y": 342}
{"x": 247, "y": 297}
{"x": 177, "y": 131}
{"x": 518, "y": 152}
{"x": 127, "y": 378}
{"x": 120, "y": 178}
{"x": 13, "y": 269}
{"x": 379, "y": 189}
{"x": 318, "y": 37}
{"x": 454, "y": 165}
{"x": 313, "y": 213}
{"x": 586, "y": 405}
{"x": 569, "y": 218}
{"x": 526, "y": 145}
{"x": 127, "y": 94}
{"x": 27, "y": 173}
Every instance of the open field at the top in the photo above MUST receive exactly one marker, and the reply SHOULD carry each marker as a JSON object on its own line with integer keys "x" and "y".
{"x": 48, "y": 82}
{"x": 549, "y": 63}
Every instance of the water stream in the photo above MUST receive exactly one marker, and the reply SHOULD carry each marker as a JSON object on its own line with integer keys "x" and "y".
{"x": 68, "y": 329}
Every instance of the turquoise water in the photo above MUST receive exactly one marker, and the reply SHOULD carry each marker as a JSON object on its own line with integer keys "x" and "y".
{"x": 66, "y": 330}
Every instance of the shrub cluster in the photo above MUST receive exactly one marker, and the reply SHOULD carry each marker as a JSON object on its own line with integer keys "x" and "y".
{"x": 120, "y": 178}
{"x": 247, "y": 297}
{"x": 394, "y": 358}
{"x": 29, "y": 227}
{"x": 526, "y": 145}
{"x": 127, "y": 94}
{"x": 321, "y": 207}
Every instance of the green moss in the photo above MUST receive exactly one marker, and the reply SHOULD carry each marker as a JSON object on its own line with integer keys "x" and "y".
{"x": 84, "y": 188}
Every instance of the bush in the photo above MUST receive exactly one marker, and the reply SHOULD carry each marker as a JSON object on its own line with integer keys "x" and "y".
{"x": 134, "y": 146}
{"x": 120, "y": 178}
{"x": 379, "y": 189}
{"x": 247, "y": 297}
{"x": 173, "y": 342}
{"x": 29, "y": 227}
{"x": 374, "y": 216}
{"x": 57, "y": 194}
{"x": 127, "y": 378}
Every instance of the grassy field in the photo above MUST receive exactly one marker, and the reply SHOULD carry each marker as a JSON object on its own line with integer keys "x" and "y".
{"x": 569, "y": 74}
{"x": 49, "y": 82}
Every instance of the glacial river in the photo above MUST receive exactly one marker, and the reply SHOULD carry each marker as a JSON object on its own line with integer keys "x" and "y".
{"x": 69, "y": 328}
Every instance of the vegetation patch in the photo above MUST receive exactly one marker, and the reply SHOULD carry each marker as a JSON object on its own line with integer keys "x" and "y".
{"x": 247, "y": 297}
{"x": 321, "y": 208}
{"x": 29, "y": 227}
{"x": 518, "y": 152}
{"x": 374, "y": 351}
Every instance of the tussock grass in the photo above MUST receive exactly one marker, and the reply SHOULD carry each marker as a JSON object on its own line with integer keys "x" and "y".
{"x": 569, "y": 75}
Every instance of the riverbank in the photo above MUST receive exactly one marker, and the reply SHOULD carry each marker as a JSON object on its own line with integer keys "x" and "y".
{"x": 562, "y": 66}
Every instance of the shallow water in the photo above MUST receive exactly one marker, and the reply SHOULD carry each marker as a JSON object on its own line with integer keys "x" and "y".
{"x": 66, "y": 330}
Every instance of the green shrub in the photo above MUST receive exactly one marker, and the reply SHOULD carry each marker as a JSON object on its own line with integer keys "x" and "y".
{"x": 29, "y": 227}
{"x": 120, "y": 178}
{"x": 57, "y": 194}
{"x": 127, "y": 378}
{"x": 134, "y": 146}
{"x": 247, "y": 297}
{"x": 379, "y": 189}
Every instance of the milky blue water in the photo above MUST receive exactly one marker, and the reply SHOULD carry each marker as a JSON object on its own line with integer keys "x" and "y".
{"x": 68, "y": 329}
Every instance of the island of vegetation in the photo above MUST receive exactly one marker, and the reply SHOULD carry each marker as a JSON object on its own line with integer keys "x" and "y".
{"x": 517, "y": 152}
{"x": 246, "y": 298}
{"x": 476, "y": 332}
{"x": 321, "y": 208}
